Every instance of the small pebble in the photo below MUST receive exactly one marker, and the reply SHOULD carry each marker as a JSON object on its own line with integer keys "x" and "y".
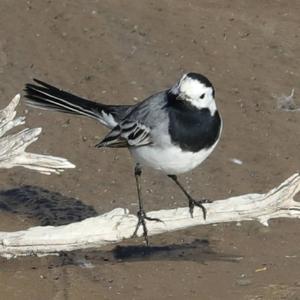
{"x": 244, "y": 282}
{"x": 236, "y": 161}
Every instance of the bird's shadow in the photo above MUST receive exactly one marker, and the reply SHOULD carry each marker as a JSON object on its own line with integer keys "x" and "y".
{"x": 45, "y": 207}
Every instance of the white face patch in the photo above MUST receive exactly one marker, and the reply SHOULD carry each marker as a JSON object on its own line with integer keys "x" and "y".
{"x": 192, "y": 88}
{"x": 195, "y": 92}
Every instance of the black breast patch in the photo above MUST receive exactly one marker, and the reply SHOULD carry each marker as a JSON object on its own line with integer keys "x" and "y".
{"x": 193, "y": 129}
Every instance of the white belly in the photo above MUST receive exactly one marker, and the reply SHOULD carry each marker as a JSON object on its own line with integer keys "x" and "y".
{"x": 170, "y": 160}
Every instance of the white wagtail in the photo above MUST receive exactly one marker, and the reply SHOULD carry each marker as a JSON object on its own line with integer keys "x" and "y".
{"x": 173, "y": 131}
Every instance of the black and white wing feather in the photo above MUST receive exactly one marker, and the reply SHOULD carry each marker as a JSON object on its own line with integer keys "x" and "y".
{"x": 127, "y": 134}
{"x": 137, "y": 128}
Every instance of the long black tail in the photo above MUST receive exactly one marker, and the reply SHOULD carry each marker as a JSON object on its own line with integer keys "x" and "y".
{"x": 46, "y": 96}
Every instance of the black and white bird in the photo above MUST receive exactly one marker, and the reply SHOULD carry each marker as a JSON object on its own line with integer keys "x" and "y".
{"x": 172, "y": 131}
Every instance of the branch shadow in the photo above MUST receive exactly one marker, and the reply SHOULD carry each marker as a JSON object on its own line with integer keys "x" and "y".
{"x": 48, "y": 208}
{"x": 198, "y": 250}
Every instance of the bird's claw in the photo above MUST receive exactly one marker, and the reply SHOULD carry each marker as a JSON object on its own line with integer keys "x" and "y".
{"x": 141, "y": 221}
{"x": 199, "y": 203}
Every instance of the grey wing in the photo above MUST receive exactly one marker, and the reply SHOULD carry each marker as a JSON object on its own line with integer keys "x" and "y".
{"x": 135, "y": 129}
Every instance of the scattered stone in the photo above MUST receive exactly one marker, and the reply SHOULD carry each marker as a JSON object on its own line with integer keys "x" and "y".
{"x": 244, "y": 281}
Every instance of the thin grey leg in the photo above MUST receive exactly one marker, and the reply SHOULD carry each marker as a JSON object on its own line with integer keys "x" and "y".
{"x": 141, "y": 213}
{"x": 192, "y": 202}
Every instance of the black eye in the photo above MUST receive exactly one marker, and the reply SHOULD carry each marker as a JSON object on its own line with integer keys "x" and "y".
{"x": 202, "y": 96}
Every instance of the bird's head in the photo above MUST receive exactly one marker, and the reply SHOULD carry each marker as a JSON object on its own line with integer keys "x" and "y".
{"x": 195, "y": 89}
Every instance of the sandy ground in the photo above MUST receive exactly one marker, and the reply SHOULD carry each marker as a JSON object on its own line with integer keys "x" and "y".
{"x": 120, "y": 52}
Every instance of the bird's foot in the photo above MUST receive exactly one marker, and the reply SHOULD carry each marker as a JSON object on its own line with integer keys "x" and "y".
{"x": 141, "y": 221}
{"x": 199, "y": 203}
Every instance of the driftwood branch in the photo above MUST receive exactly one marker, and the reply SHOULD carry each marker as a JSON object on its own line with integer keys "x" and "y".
{"x": 13, "y": 146}
{"x": 119, "y": 224}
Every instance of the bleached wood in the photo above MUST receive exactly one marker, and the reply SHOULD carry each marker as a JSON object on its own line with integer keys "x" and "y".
{"x": 119, "y": 224}
{"x": 13, "y": 146}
